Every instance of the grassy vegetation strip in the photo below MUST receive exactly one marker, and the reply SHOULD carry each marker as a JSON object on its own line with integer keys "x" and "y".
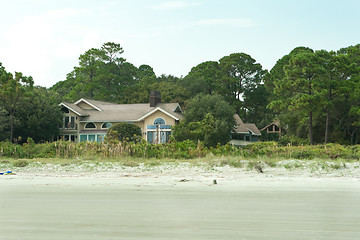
{"x": 174, "y": 150}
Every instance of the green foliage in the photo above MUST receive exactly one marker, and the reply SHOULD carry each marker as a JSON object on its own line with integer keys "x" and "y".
{"x": 317, "y": 92}
{"x": 202, "y": 78}
{"x": 124, "y": 132}
{"x": 39, "y": 116}
{"x": 260, "y": 154}
{"x": 254, "y": 107}
{"x": 102, "y": 74}
{"x": 4, "y": 124}
{"x": 12, "y": 90}
{"x": 257, "y": 165}
{"x": 208, "y": 118}
{"x": 26, "y": 111}
{"x": 20, "y": 163}
{"x": 8, "y": 149}
{"x": 292, "y": 140}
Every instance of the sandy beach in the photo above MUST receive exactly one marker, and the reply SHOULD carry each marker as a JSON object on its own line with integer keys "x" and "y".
{"x": 179, "y": 201}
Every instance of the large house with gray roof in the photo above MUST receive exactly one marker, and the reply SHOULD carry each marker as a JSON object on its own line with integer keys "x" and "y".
{"x": 89, "y": 120}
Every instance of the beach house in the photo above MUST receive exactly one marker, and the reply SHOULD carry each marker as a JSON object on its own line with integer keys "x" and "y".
{"x": 89, "y": 120}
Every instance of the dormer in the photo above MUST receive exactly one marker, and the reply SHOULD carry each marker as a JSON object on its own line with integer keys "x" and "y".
{"x": 87, "y": 105}
{"x": 178, "y": 109}
{"x": 70, "y": 109}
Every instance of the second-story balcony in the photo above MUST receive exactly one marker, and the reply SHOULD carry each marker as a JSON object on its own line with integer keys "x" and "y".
{"x": 70, "y": 126}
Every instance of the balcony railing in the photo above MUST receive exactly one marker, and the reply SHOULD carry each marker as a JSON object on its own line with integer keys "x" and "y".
{"x": 70, "y": 126}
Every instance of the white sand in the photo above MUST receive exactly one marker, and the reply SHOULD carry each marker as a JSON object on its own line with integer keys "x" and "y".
{"x": 180, "y": 201}
{"x": 186, "y": 171}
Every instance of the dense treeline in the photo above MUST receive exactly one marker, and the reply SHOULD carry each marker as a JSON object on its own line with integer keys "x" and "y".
{"x": 314, "y": 94}
{"x": 27, "y": 111}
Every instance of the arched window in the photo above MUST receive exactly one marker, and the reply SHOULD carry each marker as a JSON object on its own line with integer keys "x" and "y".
{"x": 159, "y": 121}
{"x": 90, "y": 125}
{"x": 106, "y": 125}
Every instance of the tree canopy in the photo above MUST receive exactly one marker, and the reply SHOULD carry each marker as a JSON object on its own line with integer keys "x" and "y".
{"x": 208, "y": 118}
{"x": 27, "y": 111}
{"x": 314, "y": 93}
{"x": 321, "y": 87}
{"x": 124, "y": 132}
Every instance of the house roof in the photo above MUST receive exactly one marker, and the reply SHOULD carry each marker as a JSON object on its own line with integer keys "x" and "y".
{"x": 241, "y": 127}
{"x": 112, "y": 112}
{"x": 74, "y": 108}
{"x": 92, "y": 103}
{"x": 276, "y": 122}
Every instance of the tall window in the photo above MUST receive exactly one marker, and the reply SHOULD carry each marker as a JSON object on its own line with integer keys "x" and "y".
{"x": 69, "y": 122}
{"x": 158, "y": 132}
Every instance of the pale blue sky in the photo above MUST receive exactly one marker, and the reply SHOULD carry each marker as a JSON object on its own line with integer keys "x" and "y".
{"x": 44, "y": 38}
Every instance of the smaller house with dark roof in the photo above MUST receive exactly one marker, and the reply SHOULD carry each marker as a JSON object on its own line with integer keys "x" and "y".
{"x": 273, "y": 131}
{"x": 273, "y": 127}
{"x": 89, "y": 120}
{"x": 244, "y": 133}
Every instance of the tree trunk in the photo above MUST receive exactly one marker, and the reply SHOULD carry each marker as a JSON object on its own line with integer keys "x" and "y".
{"x": 311, "y": 128}
{"x": 327, "y": 126}
{"x": 11, "y": 127}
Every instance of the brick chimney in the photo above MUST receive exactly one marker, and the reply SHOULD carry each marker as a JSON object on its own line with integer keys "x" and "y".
{"x": 155, "y": 98}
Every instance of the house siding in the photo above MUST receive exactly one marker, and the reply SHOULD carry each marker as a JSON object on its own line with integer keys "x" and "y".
{"x": 70, "y": 132}
{"x": 158, "y": 114}
{"x": 157, "y": 135}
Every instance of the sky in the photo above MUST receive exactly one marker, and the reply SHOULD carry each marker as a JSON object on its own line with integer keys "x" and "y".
{"x": 44, "y": 38}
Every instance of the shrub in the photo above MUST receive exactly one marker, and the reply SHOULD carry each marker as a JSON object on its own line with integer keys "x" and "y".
{"x": 124, "y": 132}
{"x": 20, "y": 163}
{"x": 261, "y": 148}
{"x": 208, "y": 118}
{"x": 302, "y": 153}
{"x": 257, "y": 165}
{"x": 293, "y": 141}
{"x": 8, "y": 149}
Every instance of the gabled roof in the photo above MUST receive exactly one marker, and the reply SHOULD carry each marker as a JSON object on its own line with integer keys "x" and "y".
{"x": 241, "y": 127}
{"x": 170, "y": 114}
{"x": 112, "y": 112}
{"x": 92, "y": 103}
{"x": 276, "y": 123}
{"x": 238, "y": 120}
{"x": 74, "y": 108}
